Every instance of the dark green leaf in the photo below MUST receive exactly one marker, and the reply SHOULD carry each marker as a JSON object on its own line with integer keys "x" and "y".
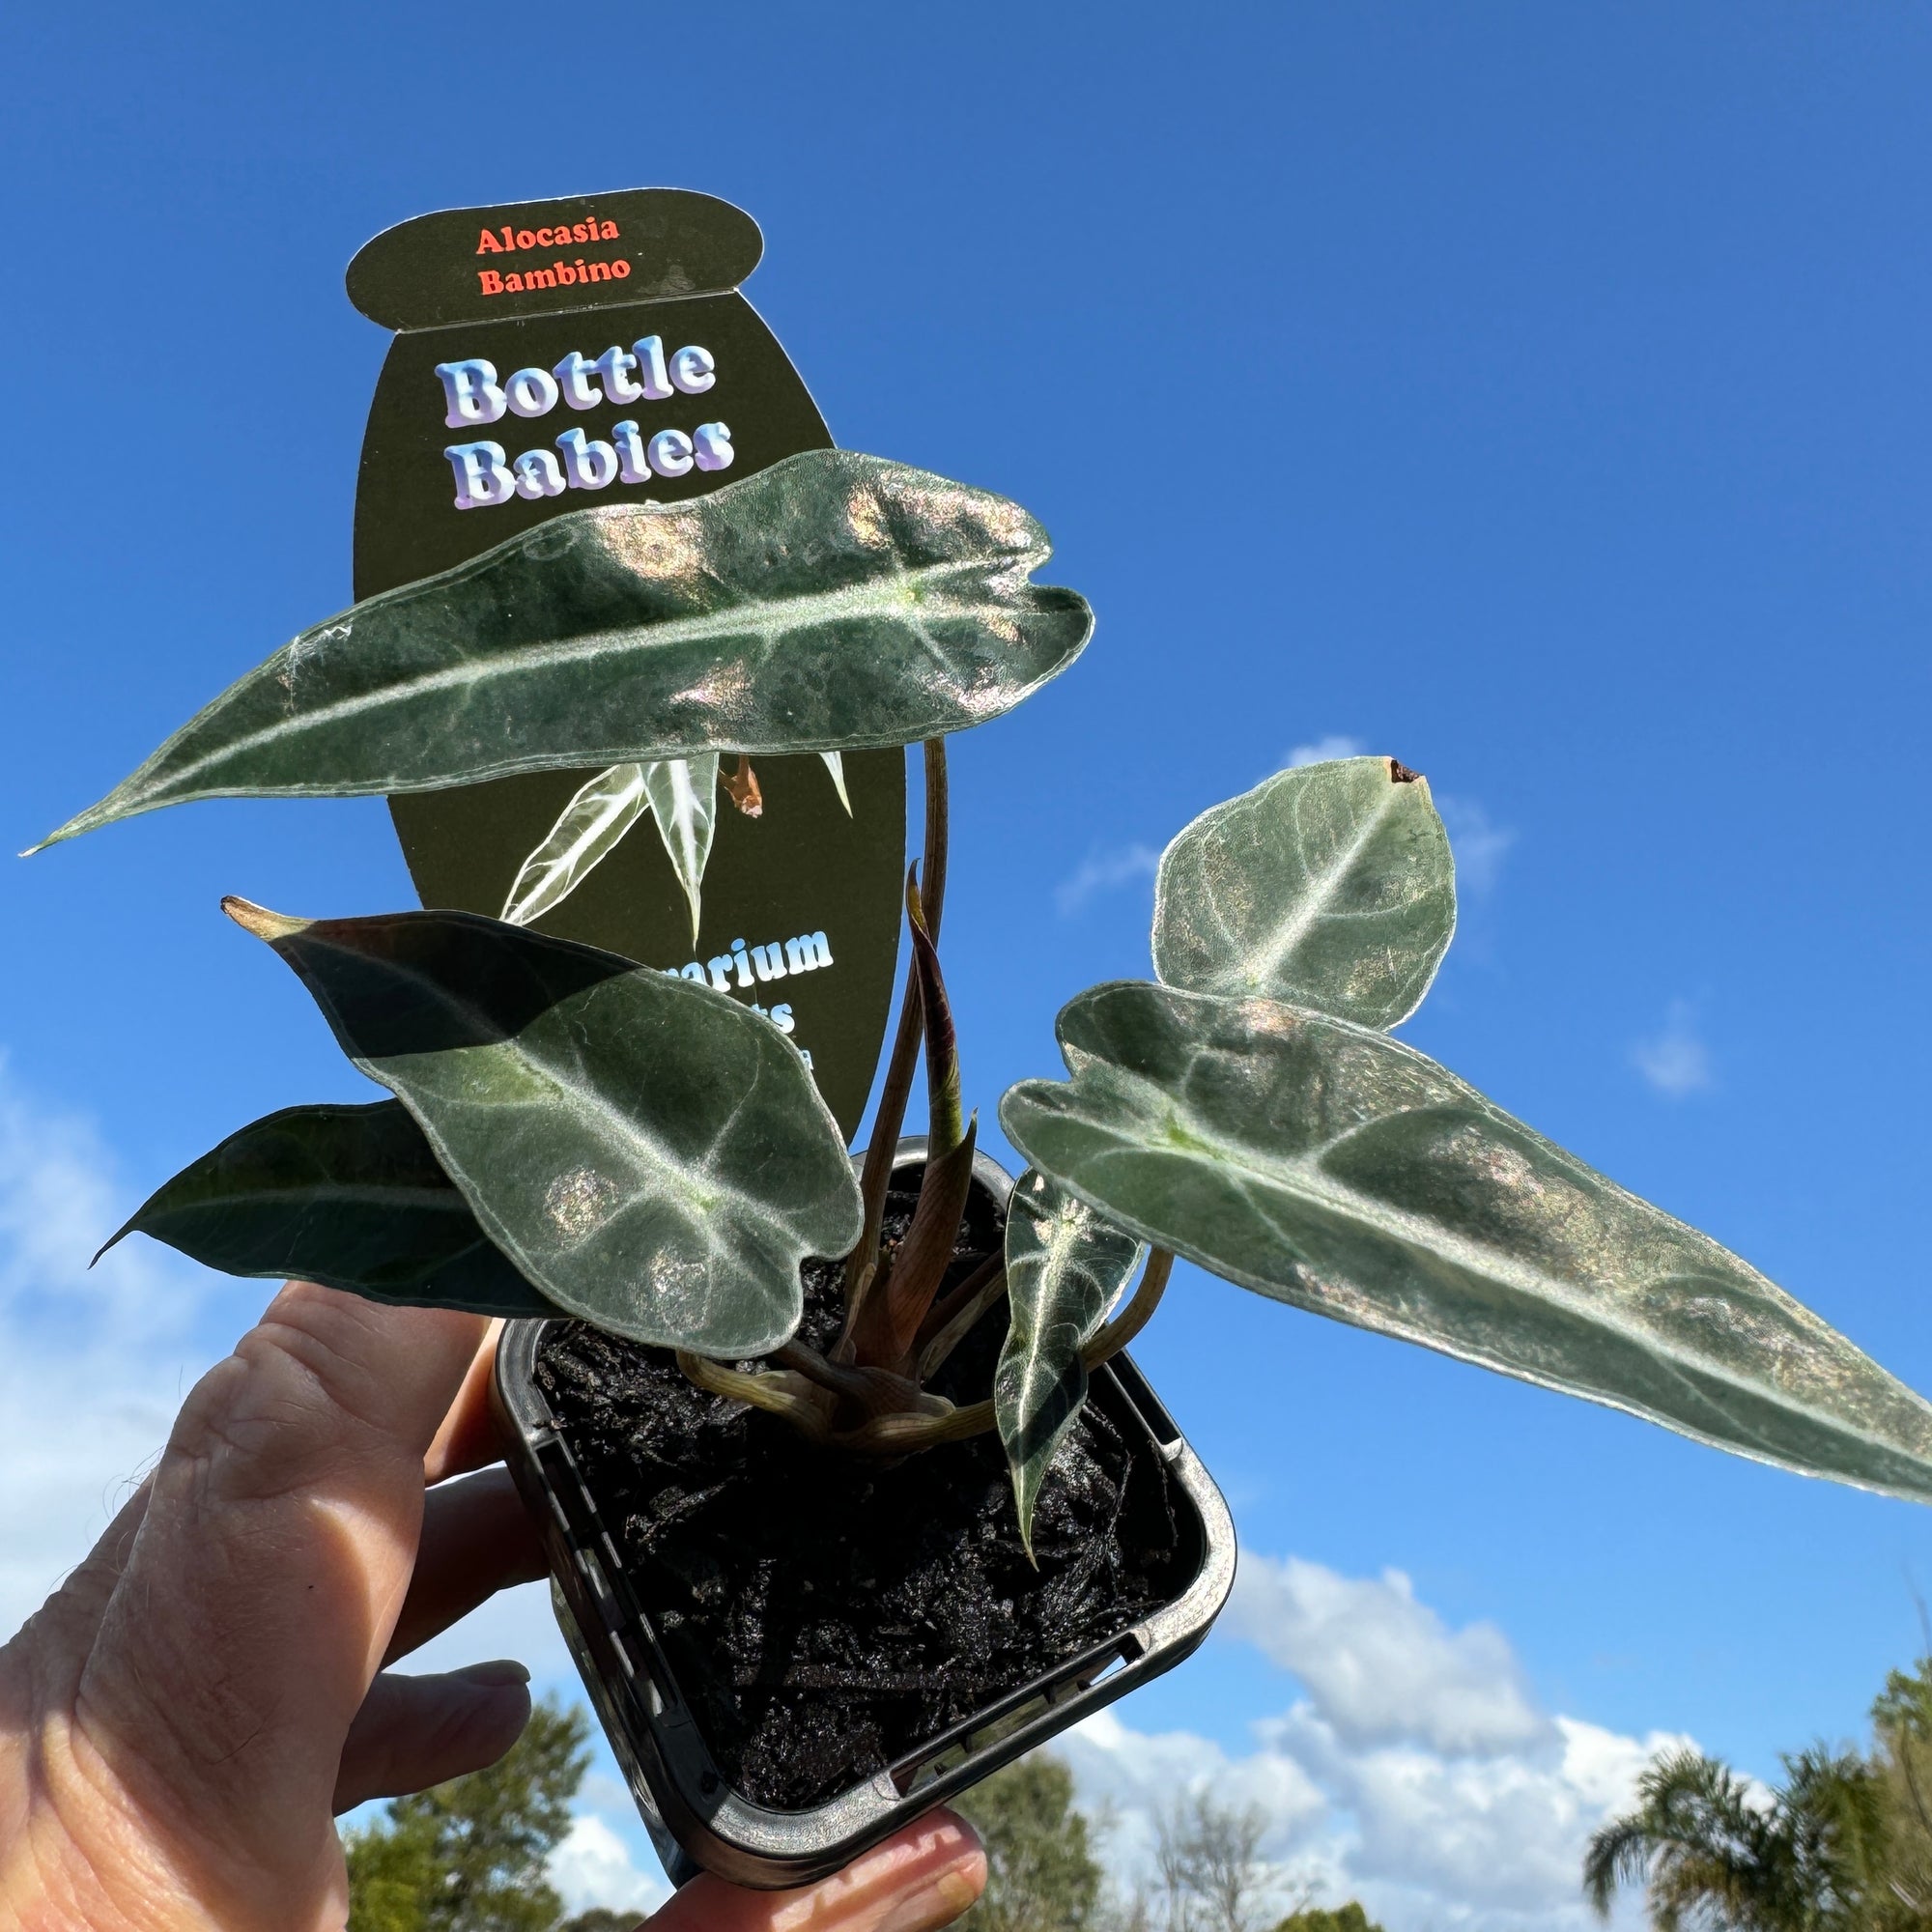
{"x": 831, "y": 602}
{"x": 1064, "y": 1267}
{"x": 350, "y": 1197}
{"x": 1331, "y": 1167}
{"x": 650, "y": 1155}
{"x": 1331, "y": 886}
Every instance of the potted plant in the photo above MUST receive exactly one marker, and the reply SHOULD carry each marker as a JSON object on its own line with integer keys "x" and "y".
{"x": 849, "y": 1492}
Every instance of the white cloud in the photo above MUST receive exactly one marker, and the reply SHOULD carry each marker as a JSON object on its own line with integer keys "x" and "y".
{"x": 1675, "y": 1061}
{"x": 93, "y": 1363}
{"x": 1479, "y": 844}
{"x": 1323, "y": 749}
{"x": 1104, "y": 872}
{"x": 593, "y": 1866}
{"x": 1419, "y": 1773}
{"x": 1382, "y": 1666}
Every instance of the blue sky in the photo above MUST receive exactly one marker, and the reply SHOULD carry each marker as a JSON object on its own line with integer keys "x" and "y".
{"x": 1537, "y": 394}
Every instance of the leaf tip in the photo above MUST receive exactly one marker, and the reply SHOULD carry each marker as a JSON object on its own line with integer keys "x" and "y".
{"x": 1023, "y": 1502}
{"x": 57, "y": 835}
{"x": 259, "y": 921}
{"x": 1400, "y": 773}
{"x": 834, "y": 763}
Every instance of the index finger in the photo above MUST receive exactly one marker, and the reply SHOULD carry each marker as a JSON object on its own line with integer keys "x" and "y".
{"x": 467, "y": 1438}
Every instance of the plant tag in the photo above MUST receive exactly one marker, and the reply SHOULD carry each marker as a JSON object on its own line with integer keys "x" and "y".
{"x": 556, "y": 354}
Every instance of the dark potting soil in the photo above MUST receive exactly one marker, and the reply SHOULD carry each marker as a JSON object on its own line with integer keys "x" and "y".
{"x": 824, "y": 1615}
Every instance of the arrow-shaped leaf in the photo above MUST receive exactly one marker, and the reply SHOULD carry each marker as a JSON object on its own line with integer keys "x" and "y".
{"x": 1064, "y": 1267}
{"x": 831, "y": 602}
{"x": 650, "y": 1155}
{"x": 1331, "y": 886}
{"x": 350, "y": 1197}
{"x": 1334, "y": 1168}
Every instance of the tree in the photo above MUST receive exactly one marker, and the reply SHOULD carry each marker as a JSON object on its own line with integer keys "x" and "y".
{"x": 601, "y": 1919}
{"x": 1902, "y": 1757}
{"x": 470, "y": 1856}
{"x": 1211, "y": 1871}
{"x": 1041, "y": 1874}
{"x": 1350, "y": 1918}
{"x": 1713, "y": 1854}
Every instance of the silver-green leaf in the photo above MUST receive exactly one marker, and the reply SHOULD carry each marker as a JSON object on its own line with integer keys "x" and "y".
{"x": 1332, "y": 1167}
{"x": 1331, "y": 886}
{"x": 350, "y": 1197}
{"x": 650, "y": 1155}
{"x": 1064, "y": 1267}
{"x": 831, "y": 602}
{"x": 587, "y": 831}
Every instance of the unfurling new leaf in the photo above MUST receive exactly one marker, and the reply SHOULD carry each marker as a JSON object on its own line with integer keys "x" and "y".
{"x": 1331, "y": 886}
{"x": 1329, "y": 1166}
{"x": 350, "y": 1197}
{"x": 829, "y": 603}
{"x": 650, "y": 1155}
{"x": 1064, "y": 1267}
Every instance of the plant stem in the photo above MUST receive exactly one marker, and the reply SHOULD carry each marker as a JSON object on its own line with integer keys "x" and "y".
{"x": 863, "y": 1261}
{"x": 901, "y": 1433}
{"x": 791, "y": 1396}
{"x": 875, "y": 1391}
{"x": 958, "y": 1315}
{"x": 942, "y": 1312}
{"x": 1136, "y": 1315}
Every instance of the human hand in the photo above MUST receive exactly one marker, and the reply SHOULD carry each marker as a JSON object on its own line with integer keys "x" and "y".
{"x": 183, "y": 1720}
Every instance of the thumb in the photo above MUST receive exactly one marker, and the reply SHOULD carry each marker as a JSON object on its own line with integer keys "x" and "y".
{"x": 412, "y": 1732}
{"x": 921, "y": 1878}
{"x": 260, "y": 1589}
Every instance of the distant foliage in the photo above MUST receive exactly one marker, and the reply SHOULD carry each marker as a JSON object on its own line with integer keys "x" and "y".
{"x": 1212, "y": 1878}
{"x": 1842, "y": 1844}
{"x": 1350, "y": 1918}
{"x": 470, "y": 1856}
{"x": 1041, "y": 1874}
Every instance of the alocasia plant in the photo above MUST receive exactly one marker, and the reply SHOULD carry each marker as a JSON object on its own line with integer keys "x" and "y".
{"x": 573, "y": 1132}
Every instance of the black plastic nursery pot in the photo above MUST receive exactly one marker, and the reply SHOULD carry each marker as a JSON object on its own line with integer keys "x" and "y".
{"x": 793, "y": 1651}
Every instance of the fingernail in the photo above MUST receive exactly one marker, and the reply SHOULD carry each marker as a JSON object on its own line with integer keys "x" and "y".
{"x": 939, "y": 1904}
{"x": 501, "y": 1671}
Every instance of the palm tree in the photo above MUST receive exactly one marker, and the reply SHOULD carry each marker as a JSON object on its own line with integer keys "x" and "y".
{"x": 1717, "y": 1856}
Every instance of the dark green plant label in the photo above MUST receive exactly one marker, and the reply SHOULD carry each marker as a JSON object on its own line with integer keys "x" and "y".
{"x": 556, "y": 354}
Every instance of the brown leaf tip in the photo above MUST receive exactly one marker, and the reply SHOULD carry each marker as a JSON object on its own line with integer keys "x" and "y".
{"x": 741, "y": 787}
{"x": 261, "y": 922}
{"x": 1401, "y": 773}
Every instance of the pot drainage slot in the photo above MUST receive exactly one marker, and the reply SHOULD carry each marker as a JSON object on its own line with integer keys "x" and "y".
{"x": 915, "y": 1773}
{"x": 1131, "y": 1651}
